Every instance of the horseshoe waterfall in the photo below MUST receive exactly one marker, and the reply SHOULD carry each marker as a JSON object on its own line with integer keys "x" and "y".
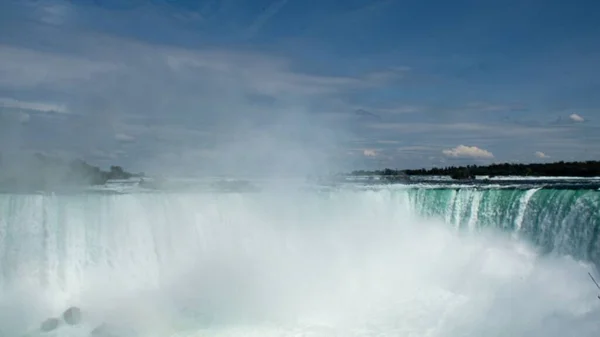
{"x": 393, "y": 260}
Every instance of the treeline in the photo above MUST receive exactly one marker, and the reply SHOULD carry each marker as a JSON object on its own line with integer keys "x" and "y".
{"x": 42, "y": 172}
{"x": 384, "y": 172}
{"x": 561, "y": 168}
{"x": 95, "y": 176}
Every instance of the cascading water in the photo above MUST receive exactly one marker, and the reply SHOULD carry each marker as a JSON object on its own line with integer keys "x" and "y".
{"x": 561, "y": 221}
{"x": 342, "y": 263}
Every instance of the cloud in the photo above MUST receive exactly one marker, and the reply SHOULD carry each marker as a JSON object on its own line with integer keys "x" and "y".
{"x": 53, "y": 13}
{"x": 369, "y": 152}
{"x": 394, "y": 110}
{"x": 572, "y": 119}
{"x": 541, "y": 155}
{"x": 258, "y": 73}
{"x": 415, "y": 149}
{"x": 421, "y": 138}
{"x": 264, "y": 17}
{"x": 34, "y": 106}
{"x": 28, "y": 68}
{"x": 576, "y": 118}
{"x": 193, "y": 94}
{"x": 167, "y": 99}
{"x": 367, "y": 115}
{"x": 463, "y": 151}
{"x": 403, "y": 109}
{"x": 123, "y": 138}
{"x": 388, "y": 75}
{"x": 488, "y": 107}
{"x": 103, "y": 155}
{"x": 24, "y": 118}
{"x": 459, "y": 129}
{"x": 263, "y": 74}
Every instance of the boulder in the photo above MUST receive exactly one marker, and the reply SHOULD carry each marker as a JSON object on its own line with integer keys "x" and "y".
{"x": 72, "y": 316}
{"x": 49, "y": 325}
{"x": 103, "y": 330}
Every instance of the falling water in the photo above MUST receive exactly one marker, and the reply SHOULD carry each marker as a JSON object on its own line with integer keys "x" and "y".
{"x": 378, "y": 262}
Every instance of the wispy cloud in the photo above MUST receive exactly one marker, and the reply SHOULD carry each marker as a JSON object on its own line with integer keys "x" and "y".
{"x": 193, "y": 91}
{"x": 32, "y": 106}
{"x": 266, "y": 75}
{"x": 224, "y": 84}
{"x": 388, "y": 75}
{"x": 416, "y": 149}
{"x": 497, "y": 129}
{"x": 53, "y": 12}
{"x": 262, "y": 19}
{"x": 28, "y": 68}
{"x": 367, "y": 115}
{"x": 394, "y": 110}
{"x": 124, "y": 138}
{"x": 488, "y": 107}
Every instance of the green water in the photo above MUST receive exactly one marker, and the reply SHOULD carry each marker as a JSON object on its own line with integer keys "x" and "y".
{"x": 560, "y": 221}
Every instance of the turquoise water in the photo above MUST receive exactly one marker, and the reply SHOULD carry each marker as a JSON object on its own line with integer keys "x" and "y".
{"x": 363, "y": 261}
{"x": 560, "y": 221}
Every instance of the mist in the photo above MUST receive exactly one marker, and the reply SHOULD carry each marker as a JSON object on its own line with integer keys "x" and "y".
{"x": 173, "y": 111}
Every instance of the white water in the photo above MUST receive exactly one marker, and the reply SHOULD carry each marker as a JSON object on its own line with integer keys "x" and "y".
{"x": 277, "y": 264}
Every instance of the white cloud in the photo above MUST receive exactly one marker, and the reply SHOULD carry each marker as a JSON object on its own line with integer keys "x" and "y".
{"x": 24, "y": 118}
{"x": 26, "y": 68}
{"x": 123, "y": 61}
{"x": 264, "y": 17}
{"x": 369, "y": 152}
{"x": 403, "y": 109}
{"x": 124, "y": 138}
{"x": 463, "y": 151}
{"x": 173, "y": 99}
{"x": 399, "y": 109}
{"x": 265, "y": 74}
{"x": 576, "y": 118}
{"x": 388, "y": 75}
{"x": 167, "y": 98}
{"x": 103, "y": 155}
{"x": 487, "y": 107}
{"x": 458, "y": 129}
{"x": 415, "y": 149}
{"x": 53, "y": 13}
{"x": 540, "y": 154}
{"x": 35, "y": 106}
{"x": 129, "y": 91}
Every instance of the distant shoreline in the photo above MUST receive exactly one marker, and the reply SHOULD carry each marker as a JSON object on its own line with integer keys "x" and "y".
{"x": 583, "y": 169}
{"x": 41, "y": 172}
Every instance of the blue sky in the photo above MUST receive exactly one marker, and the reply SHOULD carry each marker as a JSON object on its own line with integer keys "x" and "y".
{"x": 286, "y": 85}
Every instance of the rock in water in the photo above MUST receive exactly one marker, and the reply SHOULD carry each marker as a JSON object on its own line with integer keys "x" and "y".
{"x": 49, "y": 324}
{"x": 72, "y": 315}
{"x": 99, "y": 331}
{"x": 103, "y": 330}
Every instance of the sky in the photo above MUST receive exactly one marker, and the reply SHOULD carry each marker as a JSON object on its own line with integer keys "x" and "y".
{"x": 226, "y": 86}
